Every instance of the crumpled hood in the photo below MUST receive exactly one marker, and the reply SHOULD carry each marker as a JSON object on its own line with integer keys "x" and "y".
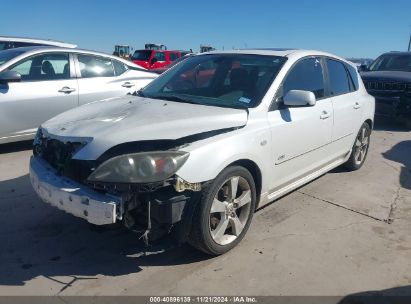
{"x": 115, "y": 121}
{"x": 386, "y": 76}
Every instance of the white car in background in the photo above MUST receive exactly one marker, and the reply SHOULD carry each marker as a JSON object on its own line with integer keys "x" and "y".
{"x": 37, "y": 83}
{"x": 206, "y": 143}
{"x": 8, "y": 42}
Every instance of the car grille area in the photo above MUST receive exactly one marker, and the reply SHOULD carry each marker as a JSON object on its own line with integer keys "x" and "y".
{"x": 387, "y": 86}
{"x": 59, "y": 155}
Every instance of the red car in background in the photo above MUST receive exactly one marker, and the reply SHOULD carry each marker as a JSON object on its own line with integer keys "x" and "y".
{"x": 154, "y": 59}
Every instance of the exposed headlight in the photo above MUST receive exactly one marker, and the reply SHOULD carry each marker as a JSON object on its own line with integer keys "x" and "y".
{"x": 145, "y": 167}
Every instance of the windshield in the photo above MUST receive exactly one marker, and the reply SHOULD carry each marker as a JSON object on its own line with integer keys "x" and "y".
{"x": 141, "y": 55}
{"x": 392, "y": 62}
{"x": 9, "y": 54}
{"x": 225, "y": 80}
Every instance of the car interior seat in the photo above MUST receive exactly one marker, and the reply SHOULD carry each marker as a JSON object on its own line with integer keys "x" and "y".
{"x": 66, "y": 71}
{"x": 47, "y": 69}
{"x": 242, "y": 80}
{"x": 239, "y": 79}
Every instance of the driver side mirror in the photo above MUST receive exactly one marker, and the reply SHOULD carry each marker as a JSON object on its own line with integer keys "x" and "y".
{"x": 9, "y": 76}
{"x": 299, "y": 98}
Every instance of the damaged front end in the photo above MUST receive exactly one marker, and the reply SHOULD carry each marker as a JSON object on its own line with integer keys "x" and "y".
{"x": 139, "y": 189}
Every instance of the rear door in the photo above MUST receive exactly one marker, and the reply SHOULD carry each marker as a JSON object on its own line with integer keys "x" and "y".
{"x": 101, "y": 78}
{"x": 47, "y": 88}
{"x": 346, "y": 104}
{"x": 301, "y": 136}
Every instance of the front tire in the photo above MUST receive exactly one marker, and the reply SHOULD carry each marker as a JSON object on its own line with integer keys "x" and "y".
{"x": 360, "y": 148}
{"x": 225, "y": 211}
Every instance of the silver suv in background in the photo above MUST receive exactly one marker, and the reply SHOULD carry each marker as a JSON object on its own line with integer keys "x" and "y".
{"x": 7, "y": 42}
{"x": 37, "y": 83}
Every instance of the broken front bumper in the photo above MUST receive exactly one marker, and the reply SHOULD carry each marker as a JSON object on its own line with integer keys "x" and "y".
{"x": 72, "y": 197}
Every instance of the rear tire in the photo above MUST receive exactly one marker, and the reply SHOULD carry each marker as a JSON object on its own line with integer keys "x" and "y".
{"x": 224, "y": 212}
{"x": 360, "y": 148}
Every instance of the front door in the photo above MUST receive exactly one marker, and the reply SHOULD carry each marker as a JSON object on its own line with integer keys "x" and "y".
{"x": 301, "y": 136}
{"x": 45, "y": 90}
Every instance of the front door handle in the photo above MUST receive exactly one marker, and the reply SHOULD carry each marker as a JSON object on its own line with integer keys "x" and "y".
{"x": 128, "y": 85}
{"x": 357, "y": 106}
{"x": 66, "y": 90}
{"x": 325, "y": 115}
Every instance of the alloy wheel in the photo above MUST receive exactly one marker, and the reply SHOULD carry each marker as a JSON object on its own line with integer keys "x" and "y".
{"x": 230, "y": 210}
{"x": 361, "y": 145}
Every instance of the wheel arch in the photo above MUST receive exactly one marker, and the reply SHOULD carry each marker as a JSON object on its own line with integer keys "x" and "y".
{"x": 255, "y": 172}
{"x": 370, "y": 123}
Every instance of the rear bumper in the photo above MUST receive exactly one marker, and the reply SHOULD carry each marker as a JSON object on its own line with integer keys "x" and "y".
{"x": 72, "y": 197}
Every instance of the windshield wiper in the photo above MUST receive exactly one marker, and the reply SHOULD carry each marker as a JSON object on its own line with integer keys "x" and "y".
{"x": 139, "y": 93}
{"x": 173, "y": 98}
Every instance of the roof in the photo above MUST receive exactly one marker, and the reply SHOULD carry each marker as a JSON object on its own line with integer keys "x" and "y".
{"x": 281, "y": 52}
{"x": 35, "y": 40}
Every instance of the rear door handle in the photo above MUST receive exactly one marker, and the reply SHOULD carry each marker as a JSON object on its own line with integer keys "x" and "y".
{"x": 66, "y": 90}
{"x": 128, "y": 85}
{"x": 325, "y": 115}
{"x": 357, "y": 106}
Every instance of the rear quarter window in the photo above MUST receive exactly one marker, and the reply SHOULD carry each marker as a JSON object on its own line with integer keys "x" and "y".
{"x": 119, "y": 67}
{"x": 95, "y": 66}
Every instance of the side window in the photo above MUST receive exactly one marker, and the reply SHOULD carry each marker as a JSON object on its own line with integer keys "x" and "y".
{"x": 43, "y": 67}
{"x": 354, "y": 76}
{"x": 94, "y": 66}
{"x": 159, "y": 56}
{"x": 306, "y": 75}
{"x": 338, "y": 77}
{"x": 173, "y": 56}
{"x": 119, "y": 67}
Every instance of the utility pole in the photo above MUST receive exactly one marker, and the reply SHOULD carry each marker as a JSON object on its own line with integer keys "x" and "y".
{"x": 409, "y": 44}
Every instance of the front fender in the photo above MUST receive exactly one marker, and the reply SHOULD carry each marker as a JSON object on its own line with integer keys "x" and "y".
{"x": 209, "y": 157}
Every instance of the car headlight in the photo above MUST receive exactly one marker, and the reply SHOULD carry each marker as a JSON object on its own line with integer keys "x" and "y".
{"x": 144, "y": 167}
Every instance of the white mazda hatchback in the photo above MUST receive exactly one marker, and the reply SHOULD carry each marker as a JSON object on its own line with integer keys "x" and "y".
{"x": 200, "y": 148}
